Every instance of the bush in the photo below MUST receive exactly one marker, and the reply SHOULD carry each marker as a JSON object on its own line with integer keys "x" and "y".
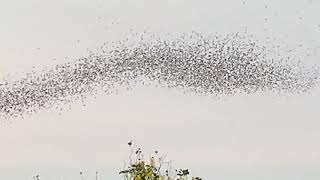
{"x": 153, "y": 168}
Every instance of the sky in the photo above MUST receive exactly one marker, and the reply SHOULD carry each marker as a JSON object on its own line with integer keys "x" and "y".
{"x": 258, "y": 136}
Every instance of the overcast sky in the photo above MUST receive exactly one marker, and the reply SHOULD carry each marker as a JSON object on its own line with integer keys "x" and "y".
{"x": 259, "y": 136}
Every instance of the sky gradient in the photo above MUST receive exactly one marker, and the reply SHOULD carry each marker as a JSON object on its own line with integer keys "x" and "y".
{"x": 258, "y": 136}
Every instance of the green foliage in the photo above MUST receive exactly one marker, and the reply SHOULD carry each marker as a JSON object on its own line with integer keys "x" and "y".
{"x": 152, "y": 169}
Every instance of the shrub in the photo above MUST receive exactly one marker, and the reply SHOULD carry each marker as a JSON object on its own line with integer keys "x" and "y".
{"x": 152, "y": 169}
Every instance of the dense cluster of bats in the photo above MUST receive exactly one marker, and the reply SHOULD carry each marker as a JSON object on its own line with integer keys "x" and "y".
{"x": 205, "y": 64}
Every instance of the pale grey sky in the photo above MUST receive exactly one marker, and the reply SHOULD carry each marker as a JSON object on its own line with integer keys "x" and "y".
{"x": 250, "y": 137}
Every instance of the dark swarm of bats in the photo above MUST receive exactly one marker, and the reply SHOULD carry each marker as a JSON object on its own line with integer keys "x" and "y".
{"x": 202, "y": 64}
